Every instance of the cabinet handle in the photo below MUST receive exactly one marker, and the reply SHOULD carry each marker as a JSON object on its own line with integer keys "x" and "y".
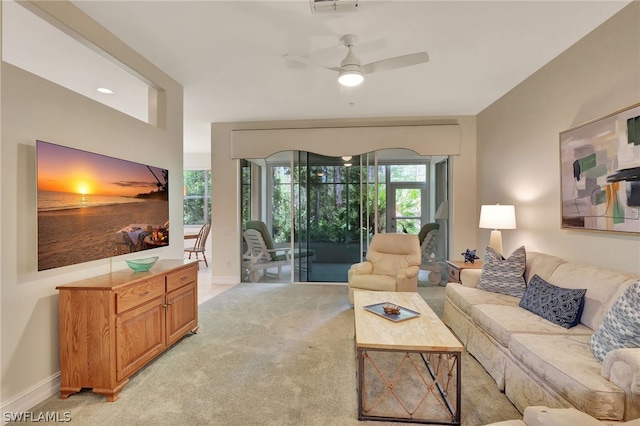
{"x": 184, "y": 277}
{"x": 144, "y": 294}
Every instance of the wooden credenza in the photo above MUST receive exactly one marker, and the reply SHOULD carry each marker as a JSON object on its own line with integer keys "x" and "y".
{"x": 114, "y": 324}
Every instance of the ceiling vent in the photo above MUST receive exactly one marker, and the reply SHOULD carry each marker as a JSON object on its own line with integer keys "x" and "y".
{"x": 324, "y": 6}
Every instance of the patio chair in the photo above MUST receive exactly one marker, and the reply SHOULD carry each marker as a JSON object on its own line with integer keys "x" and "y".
{"x": 199, "y": 245}
{"x": 392, "y": 265}
{"x": 428, "y": 237}
{"x": 262, "y": 253}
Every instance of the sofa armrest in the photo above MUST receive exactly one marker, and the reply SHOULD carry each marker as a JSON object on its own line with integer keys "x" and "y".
{"x": 407, "y": 279}
{"x": 470, "y": 277}
{"x": 622, "y": 368}
{"x": 361, "y": 268}
{"x": 409, "y": 271}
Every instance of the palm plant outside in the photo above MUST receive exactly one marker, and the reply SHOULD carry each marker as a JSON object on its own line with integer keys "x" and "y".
{"x": 330, "y": 199}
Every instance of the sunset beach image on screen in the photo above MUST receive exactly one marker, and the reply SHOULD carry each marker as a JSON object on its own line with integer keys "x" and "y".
{"x": 92, "y": 206}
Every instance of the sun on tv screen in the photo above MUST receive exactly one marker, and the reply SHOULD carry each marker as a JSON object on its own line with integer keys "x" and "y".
{"x": 92, "y": 206}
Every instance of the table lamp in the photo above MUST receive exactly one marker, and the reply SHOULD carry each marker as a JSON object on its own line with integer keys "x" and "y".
{"x": 497, "y": 217}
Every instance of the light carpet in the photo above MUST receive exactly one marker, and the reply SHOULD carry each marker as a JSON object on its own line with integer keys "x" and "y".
{"x": 266, "y": 354}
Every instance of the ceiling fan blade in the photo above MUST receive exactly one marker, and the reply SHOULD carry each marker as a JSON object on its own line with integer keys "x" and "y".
{"x": 307, "y": 61}
{"x": 397, "y": 62}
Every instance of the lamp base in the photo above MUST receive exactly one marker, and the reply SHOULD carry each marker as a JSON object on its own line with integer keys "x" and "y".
{"x": 495, "y": 242}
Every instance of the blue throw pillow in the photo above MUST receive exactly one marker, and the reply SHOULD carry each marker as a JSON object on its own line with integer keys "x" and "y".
{"x": 621, "y": 325}
{"x": 562, "y": 306}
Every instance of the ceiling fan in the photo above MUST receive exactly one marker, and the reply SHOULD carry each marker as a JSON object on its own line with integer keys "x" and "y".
{"x": 351, "y": 73}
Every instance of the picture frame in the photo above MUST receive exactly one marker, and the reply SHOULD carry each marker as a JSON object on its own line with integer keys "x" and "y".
{"x": 600, "y": 173}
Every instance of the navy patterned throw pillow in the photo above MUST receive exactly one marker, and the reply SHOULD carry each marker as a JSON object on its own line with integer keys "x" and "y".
{"x": 501, "y": 275}
{"x": 562, "y": 306}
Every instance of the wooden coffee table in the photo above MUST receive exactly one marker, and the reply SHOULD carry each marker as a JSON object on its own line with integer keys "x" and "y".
{"x": 408, "y": 370}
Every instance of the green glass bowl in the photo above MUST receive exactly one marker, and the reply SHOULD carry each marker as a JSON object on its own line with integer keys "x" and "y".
{"x": 141, "y": 265}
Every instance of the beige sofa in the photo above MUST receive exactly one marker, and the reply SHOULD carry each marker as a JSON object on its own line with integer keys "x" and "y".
{"x": 545, "y": 416}
{"x": 536, "y": 362}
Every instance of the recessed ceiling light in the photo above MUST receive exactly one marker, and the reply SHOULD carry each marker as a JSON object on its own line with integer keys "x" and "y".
{"x": 105, "y": 90}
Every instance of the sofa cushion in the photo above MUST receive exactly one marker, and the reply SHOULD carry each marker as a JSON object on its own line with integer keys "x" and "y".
{"x": 501, "y": 322}
{"x": 502, "y": 275}
{"x": 373, "y": 282}
{"x": 562, "y": 306}
{"x": 602, "y": 286}
{"x": 541, "y": 264}
{"x": 466, "y": 297}
{"x": 621, "y": 325}
{"x": 565, "y": 363}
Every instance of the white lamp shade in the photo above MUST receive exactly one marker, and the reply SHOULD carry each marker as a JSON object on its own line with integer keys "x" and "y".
{"x": 498, "y": 217}
{"x": 443, "y": 211}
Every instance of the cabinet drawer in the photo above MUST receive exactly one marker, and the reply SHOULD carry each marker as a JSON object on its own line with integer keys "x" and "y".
{"x": 136, "y": 295}
{"x": 454, "y": 274}
{"x": 178, "y": 279}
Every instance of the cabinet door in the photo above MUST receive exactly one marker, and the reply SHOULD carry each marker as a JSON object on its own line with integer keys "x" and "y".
{"x": 182, "y": 312}
{"x": 140, "y": 336}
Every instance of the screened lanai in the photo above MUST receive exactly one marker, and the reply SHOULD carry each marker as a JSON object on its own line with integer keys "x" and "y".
{"x": 328, "y": 208}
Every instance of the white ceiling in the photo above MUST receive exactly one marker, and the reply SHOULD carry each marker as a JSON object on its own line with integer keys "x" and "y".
{"x": 228, "y": 54}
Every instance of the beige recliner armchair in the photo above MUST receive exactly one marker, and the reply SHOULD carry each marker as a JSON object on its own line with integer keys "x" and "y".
{"x": 393, "y": 262}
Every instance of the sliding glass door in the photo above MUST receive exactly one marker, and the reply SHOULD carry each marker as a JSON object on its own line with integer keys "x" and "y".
{"x": 326, "y": 209}
{"x": 327, "y": 216}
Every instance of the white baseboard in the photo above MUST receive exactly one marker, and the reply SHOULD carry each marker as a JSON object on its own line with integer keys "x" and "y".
{"x": 32, "y": 396}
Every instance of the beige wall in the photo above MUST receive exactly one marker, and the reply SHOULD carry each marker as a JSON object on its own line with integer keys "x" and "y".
{"x": 198, "y": 161}
{"x": 518, "y": 142}
{"x": 1, "y": 224}
{"x": 226, "y": 229}
{"x": 33, "y": 108}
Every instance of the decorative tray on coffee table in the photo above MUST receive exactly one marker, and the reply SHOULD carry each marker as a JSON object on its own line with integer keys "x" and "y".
{"x": 401, "y": 315}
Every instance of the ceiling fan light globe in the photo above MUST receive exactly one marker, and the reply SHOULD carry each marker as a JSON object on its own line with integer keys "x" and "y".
{"x": 350, "y": 78}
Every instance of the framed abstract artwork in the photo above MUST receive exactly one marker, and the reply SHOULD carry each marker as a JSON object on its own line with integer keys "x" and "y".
{"x": 600, "y": 173}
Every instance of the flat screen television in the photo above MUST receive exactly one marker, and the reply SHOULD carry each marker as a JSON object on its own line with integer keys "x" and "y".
{"x": 92, "y": 206}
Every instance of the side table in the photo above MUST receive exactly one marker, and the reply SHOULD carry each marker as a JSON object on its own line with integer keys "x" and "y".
{"x": 455, "y": 266}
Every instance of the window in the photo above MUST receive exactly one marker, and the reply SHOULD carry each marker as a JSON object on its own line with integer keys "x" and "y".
{"x": 281, "y": 203}
{"x": 197, "y": 197}
{"x": 246, "y": 190}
